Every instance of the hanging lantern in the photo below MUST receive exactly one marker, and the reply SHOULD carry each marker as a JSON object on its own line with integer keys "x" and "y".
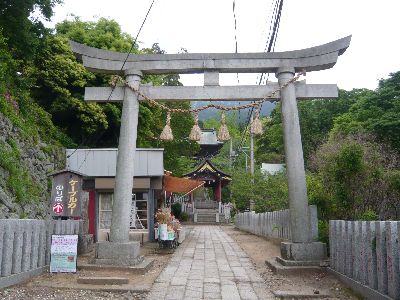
{"x": 223, "y": 133}
{"x": 256, "y": 126}
{"x": 195, "y": 133}
{"x": 166, "y": 134}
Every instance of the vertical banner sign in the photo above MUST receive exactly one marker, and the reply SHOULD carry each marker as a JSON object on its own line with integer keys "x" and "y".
{"x": 66, "y": 195}
{"x": 64, "y": 253}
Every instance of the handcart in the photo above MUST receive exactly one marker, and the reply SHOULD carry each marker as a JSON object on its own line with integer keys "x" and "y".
{"x": 167, "y": 241}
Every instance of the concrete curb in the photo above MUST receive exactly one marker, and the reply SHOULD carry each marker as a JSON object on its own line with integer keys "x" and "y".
{"x": 102, "y": 280}
{"x": 104, "y": 288}
{"x": 356, "y": 286}
{"x": 20, "y": 277}
{"x": 297, "y": 295}
{"x": 141, "y": 268}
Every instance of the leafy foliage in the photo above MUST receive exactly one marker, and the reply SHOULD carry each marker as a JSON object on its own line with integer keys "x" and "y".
{"x": 316, "y": 120}
{"x": 268, "y": 192}
{"x": 352, "y": 179}
{"x": 176, "y": 209}
{"x": 19, "y": 179}
{"x": 21, "y": 24}
{"x": 377, "y": 113}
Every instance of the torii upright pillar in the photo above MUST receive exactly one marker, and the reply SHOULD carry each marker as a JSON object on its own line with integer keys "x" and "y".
{"x": 119, "y": 250}
{"x": 299, "y": 216}
{"x": 301, "y": 248}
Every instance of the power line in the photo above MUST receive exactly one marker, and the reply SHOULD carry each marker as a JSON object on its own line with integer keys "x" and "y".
{"x": 126, "y": 59}
{"x": 133, "y": 45}
{"x": 235, "y": 22}
{"x": 270, "y": 46}
{"x": 236, "y": 43}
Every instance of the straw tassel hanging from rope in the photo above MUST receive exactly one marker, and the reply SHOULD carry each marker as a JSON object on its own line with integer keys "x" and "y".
{"x": 166, "y": 134}
{"x": 256, "y": 125}
{"x": 195, "y": 133}
{"x": 223, "y": 133}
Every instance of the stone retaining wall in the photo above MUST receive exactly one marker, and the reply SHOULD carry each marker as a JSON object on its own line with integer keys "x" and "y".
{"x": 369, "y": 254}
{"x": 25, "y": 245}
{"x": 275, "y": 224}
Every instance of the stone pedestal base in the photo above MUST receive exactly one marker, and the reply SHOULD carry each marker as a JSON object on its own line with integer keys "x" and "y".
{"x": 303, "y": 252}
{"x": 118, "y": 254}
{"x": 298, "y": 257}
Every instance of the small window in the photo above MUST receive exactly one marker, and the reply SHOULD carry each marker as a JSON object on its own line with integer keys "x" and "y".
{"x": 105, "y": 210}
{"x": 139, "y": 211}
{"x": 138, "y": 217}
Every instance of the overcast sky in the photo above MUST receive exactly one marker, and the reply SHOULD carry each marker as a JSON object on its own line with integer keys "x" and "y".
{"x": 208, "y": 26}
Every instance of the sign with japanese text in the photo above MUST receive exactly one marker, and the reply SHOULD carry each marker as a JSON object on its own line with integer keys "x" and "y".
{"x": 63, "y": 253}
{"x": 65, "y": 195}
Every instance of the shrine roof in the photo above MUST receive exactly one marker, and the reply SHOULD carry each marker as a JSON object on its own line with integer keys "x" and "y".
{"x": 206, "y": 167}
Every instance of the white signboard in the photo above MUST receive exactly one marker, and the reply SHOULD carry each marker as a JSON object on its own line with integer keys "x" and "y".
{"x": 64, "y": 253}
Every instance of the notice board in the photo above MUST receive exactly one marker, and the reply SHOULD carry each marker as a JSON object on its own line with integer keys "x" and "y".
{"x": 64, "y": 253}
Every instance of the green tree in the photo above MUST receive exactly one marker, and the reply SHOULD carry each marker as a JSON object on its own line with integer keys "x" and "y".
{"x": 316, "y": 120}
{"x": 59, "y": 88}
{"x": 269, "y": 193}
{"x": 21, "y": 23}
{"x": 352, "y": 178}
{"x": 377, "y": 113}
{"x": 107, "y": 34}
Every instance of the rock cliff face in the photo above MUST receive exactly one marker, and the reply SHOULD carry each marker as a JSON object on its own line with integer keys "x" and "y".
{"x": 25, "y": 162}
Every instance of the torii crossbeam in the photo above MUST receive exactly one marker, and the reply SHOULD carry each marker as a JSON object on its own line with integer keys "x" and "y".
{"x": 283, "y": 64}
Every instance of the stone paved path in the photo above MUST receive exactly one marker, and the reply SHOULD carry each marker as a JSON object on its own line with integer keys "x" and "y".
{"x": 209, "y": 265}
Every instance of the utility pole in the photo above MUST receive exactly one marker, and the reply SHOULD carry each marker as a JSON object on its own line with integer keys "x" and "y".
{"x": 251, "y": 150}
{"x": 251, "y": 159}
{"x": 231, "y": 156}
{"x": 246, "y": 156}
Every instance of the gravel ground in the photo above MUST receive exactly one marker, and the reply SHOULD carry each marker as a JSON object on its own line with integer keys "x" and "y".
{"x": 43, "y": 293}
{"x": 259, "y": 249}
{"x": 35, "y": 289}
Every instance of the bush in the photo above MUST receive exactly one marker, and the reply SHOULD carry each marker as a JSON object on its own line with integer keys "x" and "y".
{"x": 351, "y": 179}
{"x": 176, "y": 210}
{"x": 368, "y": 215}
{"x": 184, "y": 217}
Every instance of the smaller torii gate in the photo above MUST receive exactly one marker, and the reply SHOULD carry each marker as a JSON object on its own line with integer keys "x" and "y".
{"x": 283, "y": 64}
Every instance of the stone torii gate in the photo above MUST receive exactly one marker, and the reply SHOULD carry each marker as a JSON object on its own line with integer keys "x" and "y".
{"x": 284, "y": 64}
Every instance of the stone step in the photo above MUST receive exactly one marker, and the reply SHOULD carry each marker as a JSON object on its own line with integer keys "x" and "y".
{"x": 206, "y": 210}
{"x": 207, "y": 220}
{"x": 206, "y": 216}
{"x": 102, "y": 280}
